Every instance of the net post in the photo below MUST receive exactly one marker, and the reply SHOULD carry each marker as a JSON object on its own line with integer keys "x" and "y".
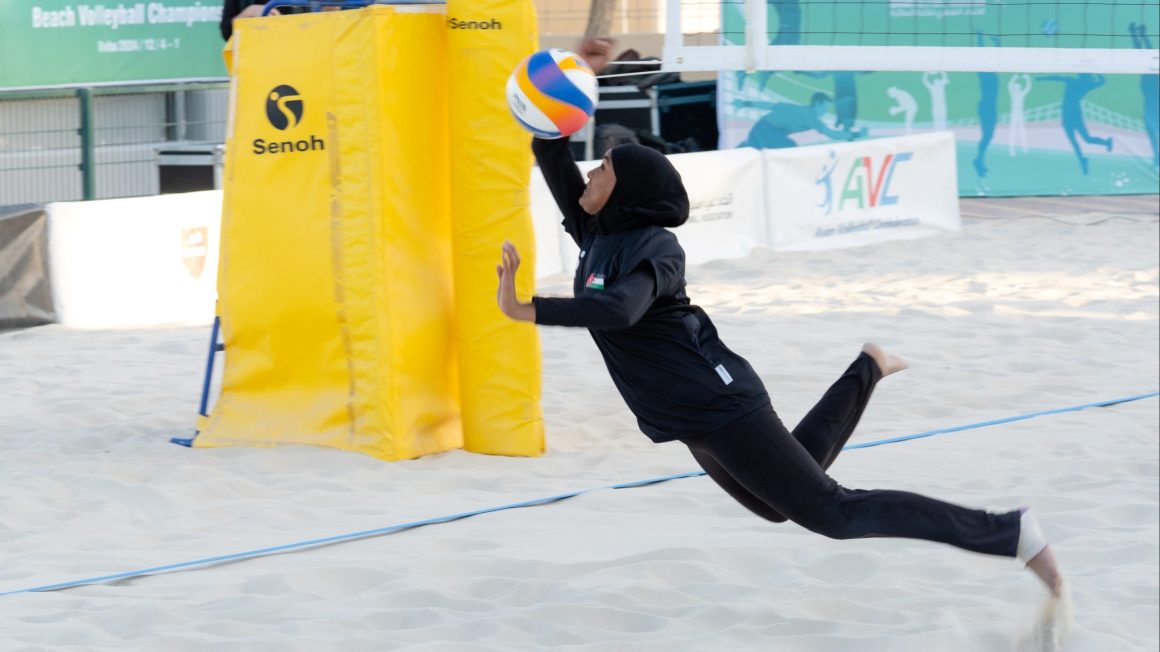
{"x": 88, "y": 151}
{"x": 756, "y": 36}
{"x": 674, "y": 41}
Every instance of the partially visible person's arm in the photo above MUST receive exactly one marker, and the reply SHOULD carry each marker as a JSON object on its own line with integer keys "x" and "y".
{"x": 596, "y": 52}
{"x": 564, "y": 180}
{"x": 230, "y": 8}
{"x": 620, "y": 306}
{"x": 555, "y": 156}
{"x": 234, "y": 9}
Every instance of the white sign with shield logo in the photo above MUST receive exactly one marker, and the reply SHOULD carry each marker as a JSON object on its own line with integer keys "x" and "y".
{"x": 144, "y": 261}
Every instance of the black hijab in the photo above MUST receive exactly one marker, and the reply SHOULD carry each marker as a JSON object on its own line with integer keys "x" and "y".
{"x": 648, "y": 192}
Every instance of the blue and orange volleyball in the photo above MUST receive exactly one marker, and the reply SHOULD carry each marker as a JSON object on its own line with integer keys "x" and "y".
{"x": 552, "y": 93}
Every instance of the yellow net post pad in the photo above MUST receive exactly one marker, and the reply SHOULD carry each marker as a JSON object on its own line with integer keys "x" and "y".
{"x": 335, "y": 287}
{"x": 490, "y": 166}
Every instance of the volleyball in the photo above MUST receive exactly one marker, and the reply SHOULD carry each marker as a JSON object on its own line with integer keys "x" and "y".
{"x": 552, "y": 93}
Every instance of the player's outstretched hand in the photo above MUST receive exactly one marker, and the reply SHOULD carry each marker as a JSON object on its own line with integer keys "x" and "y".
{"x": 596, "y": 51}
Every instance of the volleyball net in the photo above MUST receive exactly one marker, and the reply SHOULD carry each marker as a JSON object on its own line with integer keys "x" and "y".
{"x": 1027, "y": 36}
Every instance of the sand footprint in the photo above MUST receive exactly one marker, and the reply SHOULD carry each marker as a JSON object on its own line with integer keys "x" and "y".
{"x": 1052, "y": 625}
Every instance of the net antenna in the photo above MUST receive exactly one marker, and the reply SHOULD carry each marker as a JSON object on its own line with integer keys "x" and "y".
{"x": 1026, "y": 36}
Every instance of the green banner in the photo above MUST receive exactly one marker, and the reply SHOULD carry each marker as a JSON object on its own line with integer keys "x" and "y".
{"x": 1017, "y": 134}
{"x": 47, "y": 43}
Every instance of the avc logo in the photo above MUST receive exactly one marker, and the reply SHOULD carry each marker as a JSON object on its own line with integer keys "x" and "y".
{"x": 866, "y": 185}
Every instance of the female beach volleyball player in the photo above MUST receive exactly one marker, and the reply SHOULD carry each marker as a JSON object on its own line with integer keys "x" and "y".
{"x": 684, "y": 384}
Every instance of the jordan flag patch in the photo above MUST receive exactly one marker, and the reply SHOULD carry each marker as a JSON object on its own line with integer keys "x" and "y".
{"x": 595, "y": 282}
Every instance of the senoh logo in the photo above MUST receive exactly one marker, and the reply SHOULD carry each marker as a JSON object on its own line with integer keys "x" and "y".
{"x": 867, "y": 183}
{"x": 456, "y": 23}
{"x": 284, "y": 110}
{"x": 284, "y": 107}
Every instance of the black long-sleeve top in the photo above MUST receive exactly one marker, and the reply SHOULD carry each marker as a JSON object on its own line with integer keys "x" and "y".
{"x": 662, "y": 352}
{"x": 231, "y": 9}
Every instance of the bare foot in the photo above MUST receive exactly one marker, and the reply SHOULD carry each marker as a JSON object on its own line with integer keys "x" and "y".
{"x": 1046, "y": 569}
{"x": 887, "y": 363}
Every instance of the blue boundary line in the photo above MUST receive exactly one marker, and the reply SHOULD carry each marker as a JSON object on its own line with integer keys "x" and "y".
{"x": 995, "y": 422}
{"x": 351, "y": 536}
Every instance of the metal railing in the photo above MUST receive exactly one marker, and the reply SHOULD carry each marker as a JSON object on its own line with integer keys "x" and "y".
{"x": 102, "y": 142}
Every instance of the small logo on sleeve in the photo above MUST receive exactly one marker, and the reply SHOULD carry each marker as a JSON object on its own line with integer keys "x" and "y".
{"x": 725, "y": 377}
{"x": 595, "y": 282}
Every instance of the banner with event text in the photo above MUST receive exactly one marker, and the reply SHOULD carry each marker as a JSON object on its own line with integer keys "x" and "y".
{"x": 54, "y": 43}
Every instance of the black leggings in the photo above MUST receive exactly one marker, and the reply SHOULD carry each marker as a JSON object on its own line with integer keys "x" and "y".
{"x": 778, "y": 475}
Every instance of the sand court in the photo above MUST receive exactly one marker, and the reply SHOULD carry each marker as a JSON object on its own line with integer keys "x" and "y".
{"x": 1039, "y": 303}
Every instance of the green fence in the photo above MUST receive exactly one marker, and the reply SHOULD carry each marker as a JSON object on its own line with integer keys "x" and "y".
{"x": 104, "y": 142}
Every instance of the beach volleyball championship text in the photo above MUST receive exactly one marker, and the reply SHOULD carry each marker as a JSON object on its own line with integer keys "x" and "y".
{"x": 153, "y": 13}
